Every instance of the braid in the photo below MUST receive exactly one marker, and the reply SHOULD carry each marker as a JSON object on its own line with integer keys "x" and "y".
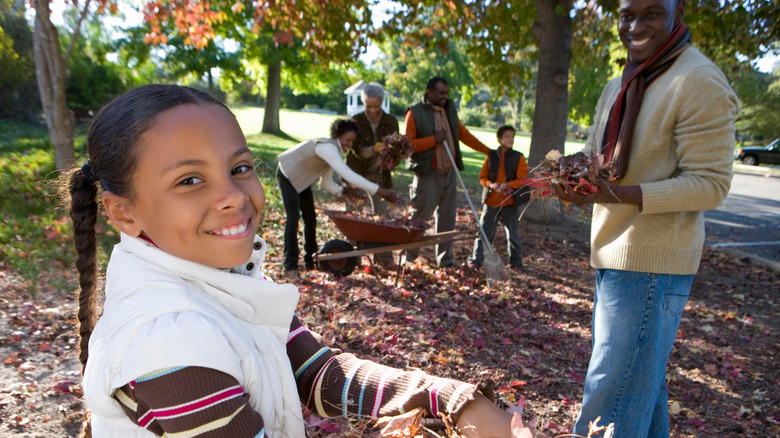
{"x": 84, "y": 212}
{"x": 86, "y": 427}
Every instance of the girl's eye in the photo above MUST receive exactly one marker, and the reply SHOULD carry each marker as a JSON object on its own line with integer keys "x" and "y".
{"x": 189, "y": 181}
{"x": 241, "y": 169}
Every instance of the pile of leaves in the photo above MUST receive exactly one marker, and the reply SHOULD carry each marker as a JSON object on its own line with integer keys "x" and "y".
{"x": 581, "y": 173}
{"x": 393, "y": 149}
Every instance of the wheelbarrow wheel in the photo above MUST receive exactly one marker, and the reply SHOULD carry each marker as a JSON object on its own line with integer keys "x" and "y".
{"x": 338, "y": 267}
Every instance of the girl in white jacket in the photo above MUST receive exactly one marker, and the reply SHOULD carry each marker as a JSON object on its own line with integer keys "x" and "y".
{"x": 194, "y": 340}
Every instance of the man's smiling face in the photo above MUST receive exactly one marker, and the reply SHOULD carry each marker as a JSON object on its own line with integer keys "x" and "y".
{"x": 644, "y": 25}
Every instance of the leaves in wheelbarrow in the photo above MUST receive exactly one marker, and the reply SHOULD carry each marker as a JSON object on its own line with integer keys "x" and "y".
{"x": 401, "y": 222}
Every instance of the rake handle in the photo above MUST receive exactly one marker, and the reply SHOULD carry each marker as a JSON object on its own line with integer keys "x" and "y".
{"x": 488, "y": 246}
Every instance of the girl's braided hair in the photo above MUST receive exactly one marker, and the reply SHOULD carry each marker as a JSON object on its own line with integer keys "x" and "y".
{"x": 111, "y": 141}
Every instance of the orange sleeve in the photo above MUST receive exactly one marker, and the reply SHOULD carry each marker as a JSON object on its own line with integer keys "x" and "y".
{"x": 484, "y": 174}
{"x": 522, "y": 173}
{"x": 469, "y": 140}
{"x": 418, "y": 144}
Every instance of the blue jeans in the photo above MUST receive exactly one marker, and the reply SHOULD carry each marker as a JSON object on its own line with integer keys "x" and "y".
{"x": 635, "y": 319}
{"x": 510, "y": 215}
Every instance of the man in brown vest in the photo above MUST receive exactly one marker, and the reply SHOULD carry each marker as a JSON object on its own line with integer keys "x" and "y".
{"x": 430, "y": 125}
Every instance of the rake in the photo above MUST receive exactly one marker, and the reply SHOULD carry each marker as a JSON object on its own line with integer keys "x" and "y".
{"x": 495, "y": 270}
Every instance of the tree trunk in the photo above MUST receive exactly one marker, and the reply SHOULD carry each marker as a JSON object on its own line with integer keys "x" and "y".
{"x": 273, "y": 98}
{"x": 50, "y": 73}
{"x": 552, "y": 32}
{"x": 514, "y": 109}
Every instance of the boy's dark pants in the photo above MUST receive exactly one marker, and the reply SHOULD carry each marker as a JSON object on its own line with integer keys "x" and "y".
{"x": 510, "y": 216}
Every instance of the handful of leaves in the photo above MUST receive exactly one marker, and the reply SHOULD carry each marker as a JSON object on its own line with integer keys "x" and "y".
{"x": 581, "y": 173}
{"x": 393, "y": 149}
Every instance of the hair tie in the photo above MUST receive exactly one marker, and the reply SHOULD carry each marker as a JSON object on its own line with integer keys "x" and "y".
{"x": 86, "y": 169}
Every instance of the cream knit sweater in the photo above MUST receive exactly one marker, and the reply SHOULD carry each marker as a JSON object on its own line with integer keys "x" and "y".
{"x": 681, "y": 157}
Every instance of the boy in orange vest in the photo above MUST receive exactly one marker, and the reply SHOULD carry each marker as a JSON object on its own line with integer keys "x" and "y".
{"x": 502, "y": 196}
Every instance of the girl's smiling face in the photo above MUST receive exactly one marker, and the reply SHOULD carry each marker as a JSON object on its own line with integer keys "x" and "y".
{"x": 195, "y": 191}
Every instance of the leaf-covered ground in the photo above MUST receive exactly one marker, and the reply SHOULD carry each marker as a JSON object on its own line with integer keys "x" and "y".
{"x": 532, "y": 338}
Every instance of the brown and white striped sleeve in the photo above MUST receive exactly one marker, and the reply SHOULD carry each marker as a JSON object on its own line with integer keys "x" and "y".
{"x": 332, "y": 383}
{"x": 188, "y": 402}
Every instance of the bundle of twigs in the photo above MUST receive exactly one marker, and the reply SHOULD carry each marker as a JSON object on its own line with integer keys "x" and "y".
{"x": 393, "y": 149}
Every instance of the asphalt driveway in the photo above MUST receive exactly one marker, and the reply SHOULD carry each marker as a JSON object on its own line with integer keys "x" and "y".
{"x": 747, "y": 224}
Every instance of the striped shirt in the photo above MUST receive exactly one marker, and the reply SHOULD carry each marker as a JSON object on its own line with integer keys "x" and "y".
{"x": 194, "y": 401}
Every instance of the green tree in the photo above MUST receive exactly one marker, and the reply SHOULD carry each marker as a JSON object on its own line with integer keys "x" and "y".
{"x": 408, "y": 67}
{"x": 324, "y": 32}
{"x": 500, "y": 32}
{"x": 181, "y": 59}
{"x": 18, "y": 92}
{"x": 92, "y": 79}
{"x": 501, "y": 37}
{"x": 732, "y": 33}
{"x": 759, "y": 94}
{"x": 596, "y": 57}
{"x": 51, "y": 72}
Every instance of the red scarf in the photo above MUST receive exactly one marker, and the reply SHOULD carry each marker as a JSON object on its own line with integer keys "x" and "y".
{"x": 636, "y": 78}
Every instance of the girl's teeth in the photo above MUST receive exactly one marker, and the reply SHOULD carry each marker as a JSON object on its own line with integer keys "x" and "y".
{"x": 233, "y": 231}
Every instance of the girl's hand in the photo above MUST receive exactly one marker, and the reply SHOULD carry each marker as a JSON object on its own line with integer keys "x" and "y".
{"x": 482, "y": 419}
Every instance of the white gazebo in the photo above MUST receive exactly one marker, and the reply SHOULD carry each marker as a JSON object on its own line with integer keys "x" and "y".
{"x": 355, "y": 101}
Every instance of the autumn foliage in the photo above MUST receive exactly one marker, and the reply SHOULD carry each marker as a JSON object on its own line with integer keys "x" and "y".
{"x": 328, "y": 30}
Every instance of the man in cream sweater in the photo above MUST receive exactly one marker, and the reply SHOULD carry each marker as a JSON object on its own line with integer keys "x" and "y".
{"x": 666, "y": 130}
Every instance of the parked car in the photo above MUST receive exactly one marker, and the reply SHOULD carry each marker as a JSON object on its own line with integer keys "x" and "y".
{"x": 755, "y": 155}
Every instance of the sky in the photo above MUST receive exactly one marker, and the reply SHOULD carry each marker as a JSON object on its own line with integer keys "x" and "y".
{"x": 767, "y": 64}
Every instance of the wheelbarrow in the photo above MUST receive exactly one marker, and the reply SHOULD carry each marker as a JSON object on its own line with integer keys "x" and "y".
{"x": 340, "y": 258}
